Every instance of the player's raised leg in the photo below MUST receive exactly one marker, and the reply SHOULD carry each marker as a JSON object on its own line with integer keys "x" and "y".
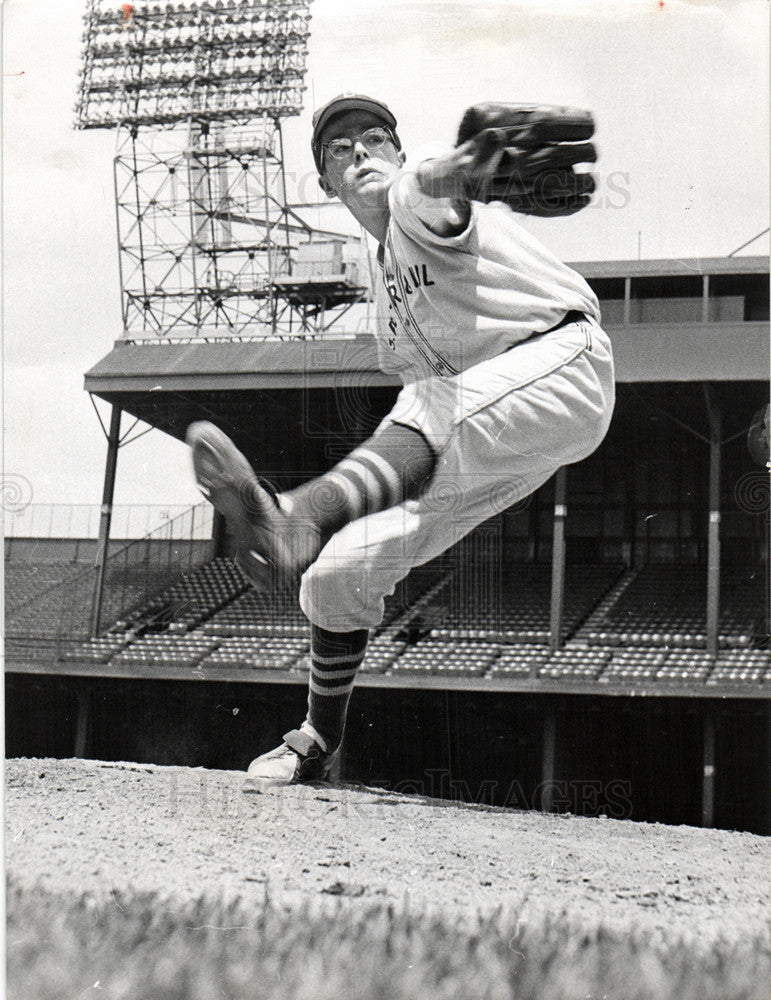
{"x": 289, "y": 531}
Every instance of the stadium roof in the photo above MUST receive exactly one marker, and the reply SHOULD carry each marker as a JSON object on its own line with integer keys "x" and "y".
{"x": 149, "y": 379}
{"x": 672, "y": 267}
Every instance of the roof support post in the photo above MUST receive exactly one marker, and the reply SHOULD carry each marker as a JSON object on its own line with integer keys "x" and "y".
{"x": 558, "y": 560}
{"x": 83, "y": 694}
{"x": 113, "y": 443}
{"x": 767, "y": 549}
{"x": 548, "y": 745}
{"x": 708, "y": 770}
{"x": 713, "y": 535}
{"x": 627, "y": 300}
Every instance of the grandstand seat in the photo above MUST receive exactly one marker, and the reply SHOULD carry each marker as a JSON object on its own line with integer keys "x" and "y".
{"x": 165, "y": 650}
{"x": 742, "y": 666}
{"x": 523, "y": 662}
{"x": 665, "y": 606}
{"x": 685, "y": 667}
{"x": 575, "y": 663}
{"x": 258, "y": 613}
{"x": 254, "y": 653}
{"x": 623, "y": 627}
{"x": 516, "y": 607}
{"x": 192, "y": 598}
{"x": 98, "y": 650}
{"x": 26, "y": 582}
{"x": 632, "y": 665}
{"x": 382, "y": 652}
{"x": 459, "y": 659}
{"x": 48, "y": 601}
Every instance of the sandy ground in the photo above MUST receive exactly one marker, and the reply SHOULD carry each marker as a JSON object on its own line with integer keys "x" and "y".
{"x": 75, "y": 825}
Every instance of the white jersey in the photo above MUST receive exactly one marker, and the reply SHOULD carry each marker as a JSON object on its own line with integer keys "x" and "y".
{"x": 447, "y": 303}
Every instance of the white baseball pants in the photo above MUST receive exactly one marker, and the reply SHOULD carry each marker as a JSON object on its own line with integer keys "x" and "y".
{"x": 500, "y": 429}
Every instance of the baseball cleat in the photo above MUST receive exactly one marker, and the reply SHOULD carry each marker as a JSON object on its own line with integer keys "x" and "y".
{"x": 265, "y": 536}
{"x": 300, "y": 758}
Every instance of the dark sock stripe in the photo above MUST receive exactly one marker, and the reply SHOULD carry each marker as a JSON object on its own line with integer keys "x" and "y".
{"x": 330, "y": 683}
{"x": 390, "y": 498}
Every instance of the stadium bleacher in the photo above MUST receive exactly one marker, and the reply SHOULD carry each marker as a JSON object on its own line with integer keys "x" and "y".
{"x": 256, "y": 653}
{"x": 258, "y": 614}
{"x": 193, "y": 598}
{"x": 665, "y": 606}
{"x": 624, "y": 629}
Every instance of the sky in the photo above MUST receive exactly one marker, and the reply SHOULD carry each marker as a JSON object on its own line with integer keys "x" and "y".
{"x": 679, "y": 90}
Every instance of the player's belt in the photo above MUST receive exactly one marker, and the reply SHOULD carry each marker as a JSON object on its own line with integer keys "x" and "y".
{"x": 573, "y": 316}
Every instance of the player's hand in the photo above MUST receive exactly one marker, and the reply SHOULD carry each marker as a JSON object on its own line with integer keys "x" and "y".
{"x": 463, "y": 173}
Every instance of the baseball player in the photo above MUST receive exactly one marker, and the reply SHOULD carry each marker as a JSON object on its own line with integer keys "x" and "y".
{"x": 507, "y": 375}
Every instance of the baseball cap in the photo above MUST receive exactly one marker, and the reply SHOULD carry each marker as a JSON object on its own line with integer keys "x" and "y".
{"x": 348, "y": 102}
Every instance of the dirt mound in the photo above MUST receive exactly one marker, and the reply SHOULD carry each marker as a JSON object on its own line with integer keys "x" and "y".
{"x": 96, "y": 826}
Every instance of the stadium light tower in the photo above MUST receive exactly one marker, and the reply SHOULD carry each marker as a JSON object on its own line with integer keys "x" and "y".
{"x": 197, "y": 93}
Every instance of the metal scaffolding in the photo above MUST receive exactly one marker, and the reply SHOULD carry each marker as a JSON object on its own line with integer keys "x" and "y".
{"x": 209, "y": 247}
{"x": 201, "y": 230}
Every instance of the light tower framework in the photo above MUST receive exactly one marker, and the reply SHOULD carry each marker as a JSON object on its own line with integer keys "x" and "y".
{"x": 197, "y": 93}
{"x": 202, "y": 230}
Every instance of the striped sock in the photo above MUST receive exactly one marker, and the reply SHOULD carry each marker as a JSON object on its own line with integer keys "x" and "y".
{"x": 390, "y": 467}
{"x": 335, "y": 659}
{"x": 367, "y": 482}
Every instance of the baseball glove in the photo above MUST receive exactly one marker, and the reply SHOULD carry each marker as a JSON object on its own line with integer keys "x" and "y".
{"x": 525, "y": 154}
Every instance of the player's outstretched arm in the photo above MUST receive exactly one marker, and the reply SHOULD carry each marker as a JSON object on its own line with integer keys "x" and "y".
{"x": 462, "y": 172}
{"x": 451, "y": 181}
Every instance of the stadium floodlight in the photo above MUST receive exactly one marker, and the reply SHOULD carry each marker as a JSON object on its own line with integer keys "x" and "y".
{"x": 165, "y": 63}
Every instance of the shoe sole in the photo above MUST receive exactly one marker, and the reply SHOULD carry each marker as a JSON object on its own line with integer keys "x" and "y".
{"x": 257, "y": 785}
{"x": 223, "y": 476}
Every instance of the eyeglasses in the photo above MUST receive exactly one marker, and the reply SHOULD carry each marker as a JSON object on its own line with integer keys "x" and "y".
{"x": 373, "y": 138}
